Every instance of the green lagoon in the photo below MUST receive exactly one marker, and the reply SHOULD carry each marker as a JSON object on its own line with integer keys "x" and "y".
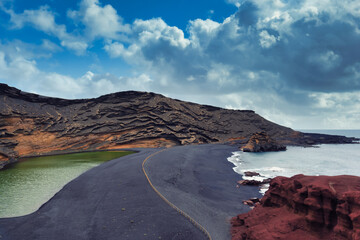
{"x": 26, "y": 185}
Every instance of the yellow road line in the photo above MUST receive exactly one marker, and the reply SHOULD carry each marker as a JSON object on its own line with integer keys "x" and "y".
{"x": 195, "y": 223}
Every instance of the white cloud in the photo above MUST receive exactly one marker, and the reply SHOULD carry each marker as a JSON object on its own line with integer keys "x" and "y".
{"x": 23, "y": 73}
{"x": 235, "y": 2}
{"x": 50, "y": 46}
{"x": 266, "y": 40}
{"x": 220, "y": 74}
{"x": 339, "y": 110}
{"x": 150, "y": 39}
{"x": 141, "y": 82}
{"x": 30, "y": 51}
{"x": 337, "y": 100}
{"x": 17, "y": 68}
{"x": 78, "y": 46}
{"x": 266, "y": 104}
{"x": 43, "y": 19}
{"x": 156, "y": 29}
{"x": 88, "y": 76}
{"x": 102, "y": 22}
{"x": 202, "y": 31}
{"x": 117, "y": 49}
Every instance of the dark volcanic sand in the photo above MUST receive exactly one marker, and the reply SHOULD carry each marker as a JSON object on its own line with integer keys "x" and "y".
{"x": 114, "y": 200}
{"x": 201, "y": 182}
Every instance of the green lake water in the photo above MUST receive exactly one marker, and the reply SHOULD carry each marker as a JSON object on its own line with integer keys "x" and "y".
{"x": 26, "y": 185}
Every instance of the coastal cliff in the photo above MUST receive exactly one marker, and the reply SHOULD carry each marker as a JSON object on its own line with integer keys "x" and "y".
{"x": 304, "y": 207}
{"x": 31, "y": 124}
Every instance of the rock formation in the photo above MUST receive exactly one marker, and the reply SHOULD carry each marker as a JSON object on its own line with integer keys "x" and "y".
{"x": 262, "y": 142}
{"x": 33, "y": 125}
{"x": 254, "y": 182}
{"x": 304, "y": 207}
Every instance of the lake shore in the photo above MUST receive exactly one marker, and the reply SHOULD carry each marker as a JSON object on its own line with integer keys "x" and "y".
{"x": 114, "y": 200}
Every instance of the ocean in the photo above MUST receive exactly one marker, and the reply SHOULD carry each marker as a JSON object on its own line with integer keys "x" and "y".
{"x": 325, "y": 159}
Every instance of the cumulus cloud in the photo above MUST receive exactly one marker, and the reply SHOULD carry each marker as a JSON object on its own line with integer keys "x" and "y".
{"x": 157, "y": 30}
{"x": 266, "y": 40}
{"x": 153, "y": 45}
{"x": 200, "y": 30}
{"x": 100, "y": 22}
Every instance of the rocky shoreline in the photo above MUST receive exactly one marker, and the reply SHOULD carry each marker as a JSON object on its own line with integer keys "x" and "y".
{"x": 304, "y": 207}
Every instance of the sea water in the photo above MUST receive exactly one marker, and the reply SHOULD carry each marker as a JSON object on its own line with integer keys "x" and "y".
{"x": 325, "y": 159}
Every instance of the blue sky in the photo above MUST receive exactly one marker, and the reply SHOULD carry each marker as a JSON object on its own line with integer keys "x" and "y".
{"x": 294, "y": 62}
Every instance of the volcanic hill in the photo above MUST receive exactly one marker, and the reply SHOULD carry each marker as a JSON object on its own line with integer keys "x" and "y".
{"x": 32, "y": 125}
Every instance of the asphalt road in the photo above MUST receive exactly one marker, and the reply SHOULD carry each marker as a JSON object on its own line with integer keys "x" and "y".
{"x": 115, "y": 201}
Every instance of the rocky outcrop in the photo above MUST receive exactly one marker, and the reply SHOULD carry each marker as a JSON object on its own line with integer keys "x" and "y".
{"x": 254, "y": 182}
{"x": 262, "y": 142}
{"x": 251, "y": 174}
{"x": 304, "y": 207}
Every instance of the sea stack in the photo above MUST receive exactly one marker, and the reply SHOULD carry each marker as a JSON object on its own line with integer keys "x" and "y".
{"x": 262, "y": 142}
{"x": 304, "y": 207}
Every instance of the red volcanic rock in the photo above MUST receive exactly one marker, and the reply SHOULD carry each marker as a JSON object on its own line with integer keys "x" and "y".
{"x": 304, "y": 207}
{"x": 262, "y": 142}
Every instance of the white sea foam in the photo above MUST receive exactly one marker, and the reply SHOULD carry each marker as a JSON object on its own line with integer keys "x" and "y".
{"x": 329, "y": 159}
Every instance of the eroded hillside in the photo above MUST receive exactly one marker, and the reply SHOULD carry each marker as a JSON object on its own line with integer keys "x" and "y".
{"x": 31, "y": 124}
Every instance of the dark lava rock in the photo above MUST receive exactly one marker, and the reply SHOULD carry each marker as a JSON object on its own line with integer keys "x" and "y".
{"x": 254, "y": 182}
{"x": 251, "y": 174}
{"x": 262, "y": 142}
{"x": 304, "y": 207}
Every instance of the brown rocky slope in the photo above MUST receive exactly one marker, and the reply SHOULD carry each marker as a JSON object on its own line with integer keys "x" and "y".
{"x": 262, "y": 142}
{"x": 32, "y": 125}
{"x": 304, "y": 207}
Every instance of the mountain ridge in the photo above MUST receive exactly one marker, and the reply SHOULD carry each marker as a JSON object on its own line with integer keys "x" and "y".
{"x": 32, "y": 124}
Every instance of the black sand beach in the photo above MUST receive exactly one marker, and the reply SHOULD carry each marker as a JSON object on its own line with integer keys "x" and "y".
{"x": 200, "y": 181}
{"x": 115, "y": 201}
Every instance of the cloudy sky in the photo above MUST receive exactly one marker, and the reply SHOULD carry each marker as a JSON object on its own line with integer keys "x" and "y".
{"x": 294, "y": 62}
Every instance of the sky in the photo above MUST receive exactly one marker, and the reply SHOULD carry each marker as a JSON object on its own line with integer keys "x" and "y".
{"x": 296, "y": 63}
